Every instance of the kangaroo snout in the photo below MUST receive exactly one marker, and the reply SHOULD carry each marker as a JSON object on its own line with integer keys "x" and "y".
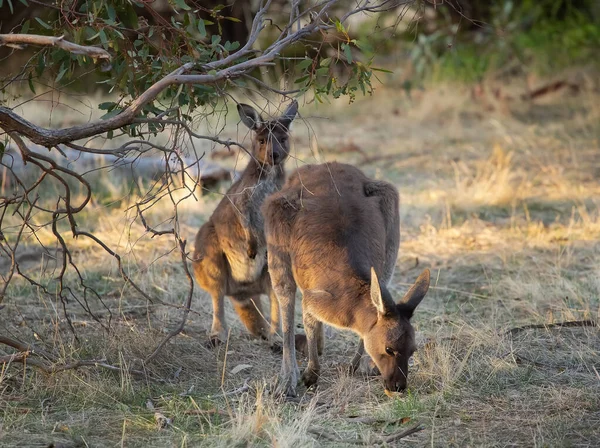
{"x": 395, "y": 385}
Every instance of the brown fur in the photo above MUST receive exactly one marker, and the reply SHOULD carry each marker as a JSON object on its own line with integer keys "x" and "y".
{"x": 329, "y": 231}
{"x": 230, "y": 257}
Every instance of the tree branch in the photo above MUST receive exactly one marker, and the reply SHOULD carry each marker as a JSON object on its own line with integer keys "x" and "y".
{"x": 18, "y": 40}
{"x": 10, "y": 121}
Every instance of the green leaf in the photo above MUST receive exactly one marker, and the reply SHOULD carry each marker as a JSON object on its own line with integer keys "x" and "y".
{"x": 25, "y": 27}
{"x": 103, "y": 37}
{"x": 24, "y": 2}
{"x": 381, "y": 70}
{"x": 94, "y": 36}
{"x": 30, "y": 81}
{"x": 41, "y": 64}
{"x": 112, "y": 14}
{"x": 233, "y": 19}
{"x": 363, "y": 45}
{"x": 322, "y": 71}
{"x": 109, "y": 105}
{"x": 325, "y": 62}
{"x": 130, "y": 19}
{"x": 44, "y": 24}
{"x": 347, "y": 53}
{"x": 62, "y": 73}
{"x": 304, "y": 64}
{"x": 301, "y": 79}
{"x": 201, "y": 28}
{"x": 181, "y": 4}
{"x": 111, "y": 114}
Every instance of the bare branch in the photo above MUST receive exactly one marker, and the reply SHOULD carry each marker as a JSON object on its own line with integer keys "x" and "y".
{"x": 18, "y": 40}
{"x": 186, "y": 310}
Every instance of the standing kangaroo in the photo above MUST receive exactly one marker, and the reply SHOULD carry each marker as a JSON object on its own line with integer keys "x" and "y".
{"x": 230, "y": 256}
{"x": 330, "y": 231}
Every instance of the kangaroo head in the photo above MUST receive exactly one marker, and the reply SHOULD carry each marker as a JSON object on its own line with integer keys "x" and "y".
{"x": 270, "y": 145}
{"x": 391, "y": 341}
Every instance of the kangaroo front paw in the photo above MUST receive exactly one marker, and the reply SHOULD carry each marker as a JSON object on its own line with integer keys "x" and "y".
{"x": 286, "y": 387}
{"x": 287, "y": 382}
{"x": 310, "y": 377}
{"x": 213, "y": 342}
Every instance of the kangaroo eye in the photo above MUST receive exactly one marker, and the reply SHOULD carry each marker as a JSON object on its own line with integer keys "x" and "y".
{"x": 389, "y": 351}
{"x": 283, "y": 139}
{"x": 261, "y": 141}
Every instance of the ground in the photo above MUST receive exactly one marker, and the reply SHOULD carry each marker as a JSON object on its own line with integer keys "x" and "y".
{"x": 499, "y": 198}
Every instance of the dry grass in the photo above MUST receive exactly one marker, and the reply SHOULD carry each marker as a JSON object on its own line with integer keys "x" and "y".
{"x": 504, "y": 207}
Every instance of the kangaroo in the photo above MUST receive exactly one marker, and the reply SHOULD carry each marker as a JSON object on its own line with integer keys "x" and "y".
{"x": 230, "y": 256}
{"x": 333, "y": 232}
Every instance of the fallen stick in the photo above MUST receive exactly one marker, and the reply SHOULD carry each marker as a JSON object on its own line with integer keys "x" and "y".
{"x": 400, "y": 435}
{"x": 548, "y": 88}
{"x": 568, "y": 324}
{"x": 239, "y": 390}
{"x": 367, "y": 420}
{"x": 12, "y": 358}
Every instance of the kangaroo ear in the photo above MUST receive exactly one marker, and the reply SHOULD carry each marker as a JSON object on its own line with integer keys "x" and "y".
{"x": 250, "y": 117}
{"x": 376, "y": 297}
{"x": 416, "y": 293}
{"x": 289, "y": 114}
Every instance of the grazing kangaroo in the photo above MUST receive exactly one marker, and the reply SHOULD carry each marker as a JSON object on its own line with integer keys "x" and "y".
{"x": 331, "y": 231}
{"x": 230, "y": 256}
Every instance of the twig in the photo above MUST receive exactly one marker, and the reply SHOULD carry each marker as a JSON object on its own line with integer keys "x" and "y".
{"x": 319, "y": 433}
{"x": 400, "y": 435}
{"x": 358, "y": 441}
{"x": 567, "y": 324}
{"x": 367, "y": 420}
{"x": 186, "y": 310}
{"x": 17, "y": 40}
{"x": 523, "y": 359}
{"x": 12, "y": 358}
{"x": 239, "y": 390}
{"x": 548, "y": 88}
